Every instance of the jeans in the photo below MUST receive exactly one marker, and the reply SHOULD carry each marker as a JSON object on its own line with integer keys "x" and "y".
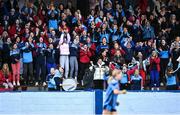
{"x": 16, "y": 71}
{"x": 27, "y": 71}
{"x": 154, "y": 76}
{"x": 21, "y": 66}
{"x": 73, "y": 66}
{"x": 64, "y": 62}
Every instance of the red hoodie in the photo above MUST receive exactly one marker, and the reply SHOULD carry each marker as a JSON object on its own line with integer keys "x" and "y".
{"x": 3, "y": 79}
{"x": 85, "y": 56}
{"x": 156, "y": 61}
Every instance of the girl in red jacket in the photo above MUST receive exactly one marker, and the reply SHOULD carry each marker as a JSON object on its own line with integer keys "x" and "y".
{"x": 154, "y": 70}
{"x": 85, "y": 55}
{"x": 6, "y": 77}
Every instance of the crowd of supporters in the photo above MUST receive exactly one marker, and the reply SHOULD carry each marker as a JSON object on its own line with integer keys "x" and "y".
{"x": 143, "y": 42}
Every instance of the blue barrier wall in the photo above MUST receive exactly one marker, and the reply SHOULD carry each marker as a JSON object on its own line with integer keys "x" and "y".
{"x": 47, "y": 103}
{"x": 149, "y": 103}
{"x": 83, "y": 103}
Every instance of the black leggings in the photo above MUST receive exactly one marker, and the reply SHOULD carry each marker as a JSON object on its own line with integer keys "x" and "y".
{"x": 163, "y": 65}
{"x": 83, "y": 67}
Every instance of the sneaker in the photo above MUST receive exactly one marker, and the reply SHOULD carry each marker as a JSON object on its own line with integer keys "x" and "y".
{"x": 18, "y": 84}
{"x": 36, "y": 84}
{"x": 157, "y": 88}
{"x": 152, "y": 89}
{"x": 76, "y": 80}
{"x": 161, "y": 84}
{"x": 44, "y": 84}
{"x": 14, "y": 83}
{"x": 6, "y": 86}
{"x": 82, "y": 83}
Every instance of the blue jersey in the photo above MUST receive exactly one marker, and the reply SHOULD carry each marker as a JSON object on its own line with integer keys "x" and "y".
{"x": 124, "y": 78}
{"x": 171, "y": 80}
{"x": 111, "y": 98}
{"x": 136, "y": 78}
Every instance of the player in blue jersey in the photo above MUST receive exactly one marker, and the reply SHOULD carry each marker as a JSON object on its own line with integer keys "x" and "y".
{"x": 112, "y": 93}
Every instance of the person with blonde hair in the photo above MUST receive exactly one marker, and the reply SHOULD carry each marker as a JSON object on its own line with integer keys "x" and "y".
{"x": 112, "y": 93}
{"x": 154, "y": 70}
{"x": 136, "y": 81}
{"x": 6, "y": 77}
{"x": 15, "y": 64}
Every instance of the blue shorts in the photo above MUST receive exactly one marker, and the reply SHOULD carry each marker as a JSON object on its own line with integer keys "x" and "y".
{"x": 111, "y": 110}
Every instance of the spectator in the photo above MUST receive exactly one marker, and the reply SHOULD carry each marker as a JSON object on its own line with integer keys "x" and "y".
{"x": 6, "y": 51}
{"x": 136, "y": 81}
{"x": 115, "y": 33}
{"x": 50, "y": 58}
{"x": 154, "y": 70}
{"x": 53, "y": 15}
{"x": 104, "y": 45}
{"x": 118, "y": 58}
{"x": 115, "y": 48}
{"x": 15, "y": 64}
{"x": 84, "y": 60}
{"x": 171, "y": 79}
{"x": 92, "y": 48}
{"x": 40, "y": 62}
{"x": 148, "y": 32}
{"x": 101, "y": 70}
{"x": 129, "y": 51}
{"x": 124, "y": 82}
{"x": 105, "y": 57}
{"x": 175, "y": 53}
{"x": 27, "y": 61}
{"x": 74, "y": 50}
{"x": 58, "y": 77}
{"x": 64, "y": 51}
{"x": 50, "y": 80}
{"x": 137, "y": 31}
{"x": 164, "y": 55}
{"x": 105, "y": 33}
{"x": 6, "y": 77}
{"x": 176, "y": 72}
{"x": 142, "y": 72}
